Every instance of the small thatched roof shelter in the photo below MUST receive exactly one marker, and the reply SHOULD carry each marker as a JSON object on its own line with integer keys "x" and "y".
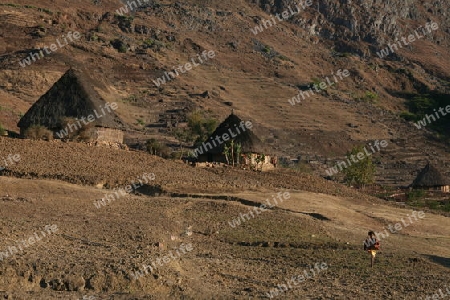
{"x": 72, "y": 96}
{"x": 430, "y": 177}
{"x": 245, "y": 148}
{"x": 250, "y": 143}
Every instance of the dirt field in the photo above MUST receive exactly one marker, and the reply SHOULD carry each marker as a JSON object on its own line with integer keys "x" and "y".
{"x": 95, "y": 252}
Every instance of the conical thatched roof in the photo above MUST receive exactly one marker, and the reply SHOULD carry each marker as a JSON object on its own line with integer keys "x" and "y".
{"x": 73, "y": 96}
{"x": 430, "y": 177}
{"x": 248, "y": 140}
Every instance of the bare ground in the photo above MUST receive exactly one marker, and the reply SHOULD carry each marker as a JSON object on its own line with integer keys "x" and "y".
{"x": 95, "y": 250}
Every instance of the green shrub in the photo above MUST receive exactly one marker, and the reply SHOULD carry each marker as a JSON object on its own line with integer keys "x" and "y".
{"x": 362, "y": 172}
{"x": 93, "y": 37}
{"x": 406, "y": 72}
{"x": 176, "y": 154}
{"x": 433, "y": 204}
{"x": 2, "y": 130}
{"x": 430, "y": 104}
{"x": 122, "y": 48}
{"x": 156, "y": 148}
{"x": 416, "y": 203}
{"x": 149, "y": 42}
{"x": 119, "y": 45}
{"x": 370, "y": 96}
{"x": 101, "y": 28}
{"x": 408, "y": 116}
{"x": 130, "y": 99}
{"x": 200, "y": 126}
{"x": 446, "y": 207}
{"x": 48, "y": 11}
{"x": 266, "y": 49}
{"x": 154, "y": 44}
{"x": 415, "y": 195}
{"x": 124, "y": 18}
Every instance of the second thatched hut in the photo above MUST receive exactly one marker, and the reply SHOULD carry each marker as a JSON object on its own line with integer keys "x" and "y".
{"x": 429, "y": 178}
{"x": 234, "y": 143}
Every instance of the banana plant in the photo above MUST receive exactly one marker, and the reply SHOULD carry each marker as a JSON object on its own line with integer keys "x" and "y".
{"x": 226, "y": 152}
{"x": 238, "y": 152}
{"x": 232, "y": 151}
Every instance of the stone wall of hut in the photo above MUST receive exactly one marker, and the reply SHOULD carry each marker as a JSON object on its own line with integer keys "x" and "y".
{"x": 246, "y": 160}
{"x": 108, "y": 135}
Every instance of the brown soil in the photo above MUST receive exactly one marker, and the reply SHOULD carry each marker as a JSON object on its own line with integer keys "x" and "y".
{"x": 95, "y": 250}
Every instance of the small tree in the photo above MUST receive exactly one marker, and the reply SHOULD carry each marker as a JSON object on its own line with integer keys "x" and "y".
{"x": 361, "y": 172}
{"x": 238, "y": 152}
{"x": 155, "y": 148}
{"x": 232, "y": 152}
{"x": 226, "y": 152}
{"x": 200, "y": 126}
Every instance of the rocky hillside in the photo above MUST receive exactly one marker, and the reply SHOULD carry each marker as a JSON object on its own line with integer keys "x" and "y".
{"x": 351, "y": 24}
{"x": 254, "y": 74}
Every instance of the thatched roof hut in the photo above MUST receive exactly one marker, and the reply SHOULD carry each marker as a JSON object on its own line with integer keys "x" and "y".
{"x": 430, "y": 178}
{"x": 72, "y": 96}
{"x": 252, "y": 151}
{"x": 250, "y": 143}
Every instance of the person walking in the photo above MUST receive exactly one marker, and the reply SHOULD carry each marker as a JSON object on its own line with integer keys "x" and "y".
{"x": 371, "y": 245}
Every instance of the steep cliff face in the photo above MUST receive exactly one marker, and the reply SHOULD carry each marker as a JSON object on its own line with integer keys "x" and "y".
{"x": 375, "y": 22}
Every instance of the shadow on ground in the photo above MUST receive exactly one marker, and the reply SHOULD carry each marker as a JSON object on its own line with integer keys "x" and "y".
{"x": 439, "y": 260}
